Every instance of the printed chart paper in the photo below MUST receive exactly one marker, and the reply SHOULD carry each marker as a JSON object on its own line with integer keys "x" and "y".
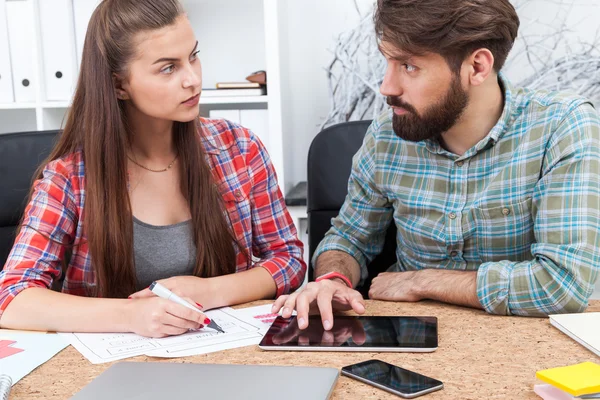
{"x": 239, "y": 331}
{"x": 259, "y": 315}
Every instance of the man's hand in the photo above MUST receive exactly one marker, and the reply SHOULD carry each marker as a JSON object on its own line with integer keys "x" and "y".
{"x": 454, "y": 287}
{"x": 325, "y": 296}
{"x": 395, "y": 286}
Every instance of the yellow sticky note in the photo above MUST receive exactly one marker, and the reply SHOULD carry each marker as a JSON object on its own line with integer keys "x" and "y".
{"x": 577, "y": 380}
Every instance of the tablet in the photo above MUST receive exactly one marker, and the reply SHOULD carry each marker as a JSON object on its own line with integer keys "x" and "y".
{"x": 349, "y": 333}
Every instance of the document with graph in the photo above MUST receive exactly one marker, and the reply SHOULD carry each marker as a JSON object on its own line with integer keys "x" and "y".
{"x": 21, "y": 353}
{"x": 240, "y": 330}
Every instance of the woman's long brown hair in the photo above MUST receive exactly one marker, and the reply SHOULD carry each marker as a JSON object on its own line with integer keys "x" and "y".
{"x": 96, "y": 124}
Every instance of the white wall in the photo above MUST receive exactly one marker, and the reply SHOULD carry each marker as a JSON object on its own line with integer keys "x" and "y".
{"x": 308, "y": 30}
{"x": 226, "y": 55}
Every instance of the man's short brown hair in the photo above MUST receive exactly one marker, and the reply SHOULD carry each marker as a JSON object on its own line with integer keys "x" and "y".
{"x": 451, "y": 28}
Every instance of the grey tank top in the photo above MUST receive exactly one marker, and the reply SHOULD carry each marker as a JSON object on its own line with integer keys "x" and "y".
{"x": 162, "y": 251}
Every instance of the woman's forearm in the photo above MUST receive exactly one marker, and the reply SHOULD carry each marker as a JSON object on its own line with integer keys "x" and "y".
{"x": 46, "y": 310}
{"x": 242, "y": 287}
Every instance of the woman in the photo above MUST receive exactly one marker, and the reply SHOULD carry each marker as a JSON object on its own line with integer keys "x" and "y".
{"x": 139, "y": 188}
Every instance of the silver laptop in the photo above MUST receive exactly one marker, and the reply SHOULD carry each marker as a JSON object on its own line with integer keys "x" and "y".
{"x": 165, "y": 380}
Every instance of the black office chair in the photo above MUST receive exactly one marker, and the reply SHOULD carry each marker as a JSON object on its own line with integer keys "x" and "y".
{"x": 329, "y": 165}
{"x": 20, "y": 155}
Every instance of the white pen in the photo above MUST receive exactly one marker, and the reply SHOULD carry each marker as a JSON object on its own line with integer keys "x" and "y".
{"x": 165, "y": 293}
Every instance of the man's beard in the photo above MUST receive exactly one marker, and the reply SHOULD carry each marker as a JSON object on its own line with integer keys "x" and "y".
{"x": 436, "y": 119}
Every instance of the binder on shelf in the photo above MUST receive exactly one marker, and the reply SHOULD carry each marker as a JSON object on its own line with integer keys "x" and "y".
{"x": 21, "y": 40}
{"x": 82, "y": 12}
{"x": 58, "y": 49}
{"x": 6, "y": 80}
{"x": 230, "y": 115}
{"x": 255, "y": 120}
{"x": 258, "y": 122}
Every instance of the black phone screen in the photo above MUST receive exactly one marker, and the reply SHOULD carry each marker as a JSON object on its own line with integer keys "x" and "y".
{"x": 392, "y": 377}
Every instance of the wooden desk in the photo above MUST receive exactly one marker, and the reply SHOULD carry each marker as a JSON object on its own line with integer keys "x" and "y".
{"x": 479, "y": 356}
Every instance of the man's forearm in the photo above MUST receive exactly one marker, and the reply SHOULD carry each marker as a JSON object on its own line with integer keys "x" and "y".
{"x": 454, "y": 287}
{"x": 338, "y": 261}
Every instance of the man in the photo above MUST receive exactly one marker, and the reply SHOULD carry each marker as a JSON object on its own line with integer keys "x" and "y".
{"x": 494, "y": 190}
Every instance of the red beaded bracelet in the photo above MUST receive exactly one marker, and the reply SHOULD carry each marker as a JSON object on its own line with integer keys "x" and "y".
{"x": 333, "y": 275}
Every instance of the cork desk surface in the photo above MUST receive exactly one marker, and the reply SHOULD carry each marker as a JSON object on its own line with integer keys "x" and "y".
{"x": 479, "y": 357}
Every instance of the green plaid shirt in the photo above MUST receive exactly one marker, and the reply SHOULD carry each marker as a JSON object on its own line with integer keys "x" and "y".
{"x": 522, "y": 207}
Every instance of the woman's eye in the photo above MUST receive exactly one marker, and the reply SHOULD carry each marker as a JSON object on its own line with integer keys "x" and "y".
{"x": 410, "y": 68}
{"x": 167, "y": 70}
{"x": 194, "y": 56}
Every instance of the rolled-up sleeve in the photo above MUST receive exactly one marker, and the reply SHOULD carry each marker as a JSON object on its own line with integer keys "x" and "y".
{"x": 361, "y": 225}
{"x": 566, "y": 215}
{"x": 48, "y": 223}
{"x": 274, "y": 236}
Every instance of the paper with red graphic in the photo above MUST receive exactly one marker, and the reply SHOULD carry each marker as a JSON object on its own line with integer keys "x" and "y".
{"x": 21, "y": 353}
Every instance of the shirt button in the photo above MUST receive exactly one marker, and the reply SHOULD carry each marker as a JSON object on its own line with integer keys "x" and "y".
{"x": 452, "y": 215}
{"x": 454, "y": 253}
{"x": 238, "y": 193}
{"x": 505, "y": 211}
{"x": 460, "y": 163}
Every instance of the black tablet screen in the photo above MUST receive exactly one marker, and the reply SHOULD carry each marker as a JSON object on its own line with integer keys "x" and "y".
{"x": 347, "y": 331}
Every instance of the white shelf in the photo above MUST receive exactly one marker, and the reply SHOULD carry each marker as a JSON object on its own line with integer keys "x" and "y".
{"x": 17, "y": 106}
{"x": 56, "y": 104}
{"x": 203, "y": 100}
{"x": 32, "y": 106}
{"x": 233, "y": 100}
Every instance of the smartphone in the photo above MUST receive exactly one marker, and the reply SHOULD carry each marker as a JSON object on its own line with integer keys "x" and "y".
{"x": 396, "y": 380}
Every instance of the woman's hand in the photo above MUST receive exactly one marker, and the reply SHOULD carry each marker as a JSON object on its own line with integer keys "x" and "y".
{"x": 157, "y": 317}
{"x": 198, "y": 290}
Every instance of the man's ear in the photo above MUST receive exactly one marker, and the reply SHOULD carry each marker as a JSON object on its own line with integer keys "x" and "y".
{"x": 480, "y": 66}
{"x": 119, "y": 89}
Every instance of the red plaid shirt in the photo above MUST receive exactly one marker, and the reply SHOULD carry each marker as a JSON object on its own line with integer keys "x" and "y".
{"x": 245, "y": 177}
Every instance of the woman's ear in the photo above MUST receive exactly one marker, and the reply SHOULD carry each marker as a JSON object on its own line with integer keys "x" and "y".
{"x": 119, "y": 89}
